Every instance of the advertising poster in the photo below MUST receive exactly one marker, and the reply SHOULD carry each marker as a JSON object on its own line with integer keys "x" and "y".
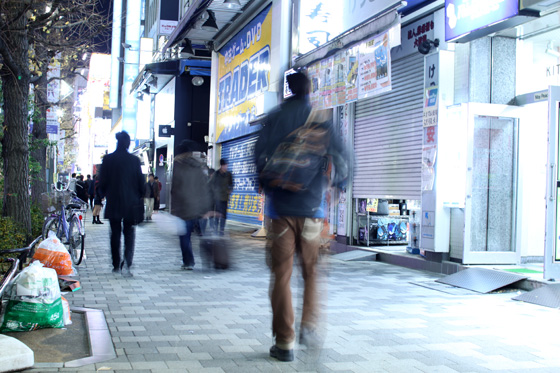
{"x": 352, "y": 66}
{"x": 244, "y": 75}
{"x": 374, "y": 71}
{"x": 327, "y": 80}
{"x": 428, "y": 162}
{"x": 431, "y": 106}
{"x": 313, "y": 72}
{"x": 339, "y": 66}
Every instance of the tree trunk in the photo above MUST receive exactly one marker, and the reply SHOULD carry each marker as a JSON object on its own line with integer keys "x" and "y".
{"x": 39, "y": 133}
{"x": 15, "y": 147}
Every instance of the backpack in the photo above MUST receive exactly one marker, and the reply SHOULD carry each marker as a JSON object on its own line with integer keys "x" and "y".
{"x": 300, "y": 156}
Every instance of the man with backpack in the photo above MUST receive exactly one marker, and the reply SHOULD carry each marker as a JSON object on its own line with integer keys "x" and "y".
{"x": 292, "y": 156}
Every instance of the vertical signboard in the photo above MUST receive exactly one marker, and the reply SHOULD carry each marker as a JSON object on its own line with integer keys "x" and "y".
{"x": 244, "y": 77}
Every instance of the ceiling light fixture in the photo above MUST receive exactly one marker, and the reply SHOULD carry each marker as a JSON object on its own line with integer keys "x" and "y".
{"x": 231, "y": 3}
{"x": 210, "y": 24}
{"x": 197, "y": 81}
{"x": 139, "y": 96}
{"x": 126, "y": 45}
{"x": 146, "y": 90}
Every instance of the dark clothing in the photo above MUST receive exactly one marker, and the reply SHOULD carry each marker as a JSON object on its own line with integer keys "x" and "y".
{"x": 222, "y": 185}
{"x": 91, "y": 191}
{"x": 189, "y": 193}
{"x": 278, "y": 124}
{"x": 91, "y": 186}
{"x": 97, "y": 197}
{"x": 127, "y": 229}
{"x": 122, "y": 183}
{"x": 81, "y": 190}
{"x": 220, "y": 222}
{"x": 151, "y": 190}
{"x": 186, "y": 245}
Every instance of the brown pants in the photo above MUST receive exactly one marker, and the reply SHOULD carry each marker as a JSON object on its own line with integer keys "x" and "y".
{"x": 289, "y": 235}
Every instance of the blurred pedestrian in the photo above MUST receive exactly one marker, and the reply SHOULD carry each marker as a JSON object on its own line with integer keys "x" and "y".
{"x": 150, "y": 194}
{"x": 72, "y": 183}
{"x": 82, "y": 189}
{"x": 121, "y": 182}
{"x": 221, "y": 184}
{"x": 157, "y": 199}
{"x": 98, "y": 201}
{"x": 190, "y": 198}
{"x": 295, "y": 189}
{"x": 91, "y": 189}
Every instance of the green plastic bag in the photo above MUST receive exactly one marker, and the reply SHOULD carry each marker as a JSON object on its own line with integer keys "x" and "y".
{"x": 34, "y": 301}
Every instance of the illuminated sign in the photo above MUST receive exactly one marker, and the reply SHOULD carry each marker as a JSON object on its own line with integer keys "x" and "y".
{"x": 464, "y": 16}
{"x": 244, "y": 76}
{"x": 320, "y": 21}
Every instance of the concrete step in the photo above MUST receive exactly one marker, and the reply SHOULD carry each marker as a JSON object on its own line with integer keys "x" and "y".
{"x": 14, "y": 355}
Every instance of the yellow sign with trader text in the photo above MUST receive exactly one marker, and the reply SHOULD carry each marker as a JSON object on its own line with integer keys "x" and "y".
{"x": 244, "y": 76}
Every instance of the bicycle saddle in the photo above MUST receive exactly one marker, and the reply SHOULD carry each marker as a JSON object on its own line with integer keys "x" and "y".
{"x": 74, "y": 206}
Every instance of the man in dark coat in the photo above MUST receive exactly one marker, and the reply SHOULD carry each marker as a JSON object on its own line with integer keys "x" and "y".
{"x": 122, "y": 183}
{"x": 297, "y": 221}
{"x": 221, "y": 184}
{"x": 190, "y": 198}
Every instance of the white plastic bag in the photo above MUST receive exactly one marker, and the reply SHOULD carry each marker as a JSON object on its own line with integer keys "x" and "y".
{"x": 170, "y": 224}
{"x": 34, "y": 301}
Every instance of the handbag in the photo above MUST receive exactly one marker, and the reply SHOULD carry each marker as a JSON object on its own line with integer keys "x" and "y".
{"x": 299, "y": 157}
{"x": 138, "y": 211}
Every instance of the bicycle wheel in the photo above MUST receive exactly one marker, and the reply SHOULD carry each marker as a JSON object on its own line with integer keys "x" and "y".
{"x": 76, "y": 243}
{"x": 50, "y": 225}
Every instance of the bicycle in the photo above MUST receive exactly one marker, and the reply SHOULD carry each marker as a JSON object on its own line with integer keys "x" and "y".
{"x": 65, "y": 220}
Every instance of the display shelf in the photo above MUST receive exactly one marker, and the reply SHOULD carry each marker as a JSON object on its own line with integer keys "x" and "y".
{"x": 382, "y": 229}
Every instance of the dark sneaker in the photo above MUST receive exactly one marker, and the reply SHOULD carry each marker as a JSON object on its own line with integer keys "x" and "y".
{"x": 125, "y": 270}
{"x": 187, "y": 268}
{"x": 282, "y": 355}
{"x": 116, "y": 270}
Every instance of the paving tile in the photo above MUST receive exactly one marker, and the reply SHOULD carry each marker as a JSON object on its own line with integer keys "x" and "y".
{"x": 168, "y": 320}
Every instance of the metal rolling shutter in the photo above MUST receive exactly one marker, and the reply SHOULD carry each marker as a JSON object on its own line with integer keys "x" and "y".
{"x": 388, "y": 136}
{"x": 244, "y": 200}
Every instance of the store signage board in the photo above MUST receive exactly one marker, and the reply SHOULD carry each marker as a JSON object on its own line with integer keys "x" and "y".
{"x": 361, "y": 71}
{"x": 244, "y": 77}
{"x": 465, "y": 16}
{"x": 413, "y": 35}
{"x": 320, "y": 21}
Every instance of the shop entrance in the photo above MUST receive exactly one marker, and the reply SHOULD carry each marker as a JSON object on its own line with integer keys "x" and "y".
{"x": 552, "y": 246}
{"x": 491, "y": 201}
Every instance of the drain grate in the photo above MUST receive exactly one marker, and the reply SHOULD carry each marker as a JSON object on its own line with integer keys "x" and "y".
{"x": 481, "y": 280}
{"x": 548, "y": 296}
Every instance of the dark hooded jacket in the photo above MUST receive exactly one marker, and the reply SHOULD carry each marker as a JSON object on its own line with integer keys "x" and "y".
{"x": 190, "y": 197}
{"x": 279, "y": 123}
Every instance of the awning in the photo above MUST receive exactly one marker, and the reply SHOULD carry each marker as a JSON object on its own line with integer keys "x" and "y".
{"x": 189, "y": 26}
{"x": 166, "y": 70}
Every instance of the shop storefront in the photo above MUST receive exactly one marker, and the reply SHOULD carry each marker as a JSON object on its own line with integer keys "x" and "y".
{"x": 244, "y": 94}
{"x": 376, "y": 79}
{"x": 497, "y": 200}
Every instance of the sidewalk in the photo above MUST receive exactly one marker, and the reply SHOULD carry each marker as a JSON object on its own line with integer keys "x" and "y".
{"x": 168, "y": 320}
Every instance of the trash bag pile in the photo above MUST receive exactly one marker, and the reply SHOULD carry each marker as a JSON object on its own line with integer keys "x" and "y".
{"x": 34, "y": 300}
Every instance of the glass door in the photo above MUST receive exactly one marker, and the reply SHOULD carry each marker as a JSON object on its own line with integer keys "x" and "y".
{"x": 552, "y": 241}
{"x": 491, "y": 203}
